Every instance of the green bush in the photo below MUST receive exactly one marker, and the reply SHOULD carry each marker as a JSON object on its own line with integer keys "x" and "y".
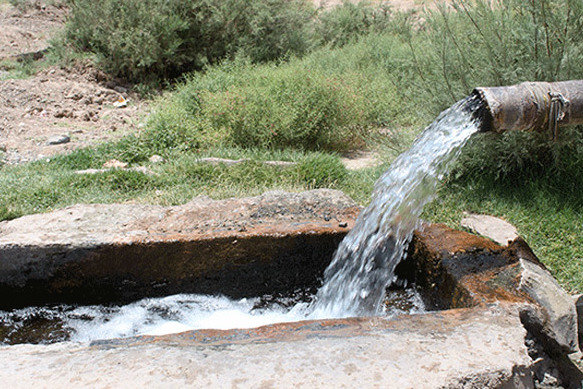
{"x": 141, "y": 39}
{"x": 322, "y": 171}
{"x": 300, "y": 104}
{"x": 516, "y": 158}
{"x": 156, "y": 39}
{"x": 482, "y": 43}
{"x": 348, "y": 21}
{"x": 292, "y": 109}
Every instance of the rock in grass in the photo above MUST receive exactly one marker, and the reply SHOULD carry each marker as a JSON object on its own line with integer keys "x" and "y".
{"x": 500, "y": 231}
{"x": 58, "y": 140}
{"x": 156, "y": 159}
{"x": 559, "y": 324}
{"x": 114, "y": 164}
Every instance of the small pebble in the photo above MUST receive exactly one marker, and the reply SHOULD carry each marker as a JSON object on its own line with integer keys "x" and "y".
{"x": 115, "y": 164}
{"x": 156, "y": 159}
{"x": 58, "y": 139}
{"x": 343, "y": 224}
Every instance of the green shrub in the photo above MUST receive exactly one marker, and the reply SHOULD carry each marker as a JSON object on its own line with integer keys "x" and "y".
{"x": 299, "y": 105}
{"x": 141, "y": 39}
{"x": 154, "y": 39}
{"x": 322, "y": 171}
{"x": 292, "y": 109}
{"x": 348, "y": 21}
{"x": 516, "y": 158}
{"x": 483, "y": 43}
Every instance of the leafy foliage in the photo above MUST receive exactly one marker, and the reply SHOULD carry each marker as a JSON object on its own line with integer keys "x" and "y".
{"x": 349, "y": 21}
{"x": 297, "y": 105}
{"x": 141, "y": 39}
{"x": 482, "y": 43}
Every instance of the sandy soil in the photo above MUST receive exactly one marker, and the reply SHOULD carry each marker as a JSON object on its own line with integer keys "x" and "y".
{"x": 76, "y": 102}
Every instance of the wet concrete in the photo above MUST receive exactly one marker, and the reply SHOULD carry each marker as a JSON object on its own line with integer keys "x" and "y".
{"x": 119, "y": 253}
{"x": 481, "y": 347}
{"x": 489, "y": 297}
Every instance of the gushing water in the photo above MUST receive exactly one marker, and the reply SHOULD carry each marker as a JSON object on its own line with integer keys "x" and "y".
{"x": 355, "y": 281}
{"x": 165, "y": 315}
{"x": 364, "y": 264}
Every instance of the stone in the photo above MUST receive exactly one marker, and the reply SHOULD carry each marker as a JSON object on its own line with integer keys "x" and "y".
{"x": 114, "y": 164}
{"x": 64, "y": 113}
{"x": 579, "y": 308}
{"x": 120, "y": 89}
{"x": 156, "y": 159}
{"x": 455, "y": 269}
{"x": 500, "y": 231}
{"x": 58, "y": 139}
{"x": 121, "y": 102}
{"x": 280, "y": 163}
{"x": 139, "y": 169}
{"x": 481, "y": 348}
{"x": 120, "y": 252}
{"x": 218, "y": 161}
{"x": 495, "y": 299}
{"x": 559, "y": 322}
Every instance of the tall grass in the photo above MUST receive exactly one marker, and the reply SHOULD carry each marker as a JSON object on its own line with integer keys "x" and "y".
{"x": 496, "y": 42}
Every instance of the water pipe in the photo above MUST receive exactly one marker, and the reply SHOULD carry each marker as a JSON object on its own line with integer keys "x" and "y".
{"x": 531, "y": 106}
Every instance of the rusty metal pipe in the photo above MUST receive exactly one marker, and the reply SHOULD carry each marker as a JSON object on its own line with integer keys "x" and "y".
{"x": 531, "y": 106}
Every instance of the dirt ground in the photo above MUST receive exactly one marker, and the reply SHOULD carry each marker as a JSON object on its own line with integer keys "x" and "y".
{"x": 29, "y": 31}
{"x": 74, "y": 103}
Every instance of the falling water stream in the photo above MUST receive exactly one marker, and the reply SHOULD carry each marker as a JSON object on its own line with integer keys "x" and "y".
{"x": 354, "y": 283}
{"x": 363, "y": 266}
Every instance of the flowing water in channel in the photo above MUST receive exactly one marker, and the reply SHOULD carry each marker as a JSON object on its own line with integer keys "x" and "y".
{"x": 354, "y": 283}
{"x": 363, "y": 266}
{"x": 166, "y": 315}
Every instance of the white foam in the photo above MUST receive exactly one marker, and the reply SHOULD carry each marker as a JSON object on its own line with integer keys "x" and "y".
{"x": 174, "y": 314}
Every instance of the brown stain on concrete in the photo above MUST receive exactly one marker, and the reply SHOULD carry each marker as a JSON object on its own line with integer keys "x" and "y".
{"x": 455, "y": 269}
{"x": 238, "y": 265}
{"x": 429, "y": 324}
{"x": 466, "y": 275}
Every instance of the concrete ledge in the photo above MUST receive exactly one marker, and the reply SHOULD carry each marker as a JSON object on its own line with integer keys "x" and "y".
{"x": 484, "y": 347}
{"x": 455, "y": 269}
{"x": 272, "y": 243}
{"x": 490, "y": 298}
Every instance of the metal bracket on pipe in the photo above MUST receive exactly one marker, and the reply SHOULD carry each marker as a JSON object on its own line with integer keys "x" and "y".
{"x": 532, "y": 106}
{"x": 559, "y": 105}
